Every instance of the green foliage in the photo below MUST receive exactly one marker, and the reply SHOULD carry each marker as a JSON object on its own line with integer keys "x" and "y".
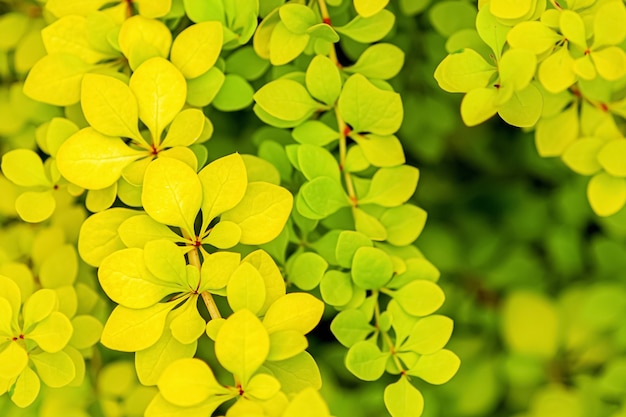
{"x": 188, "y": 250}
{"x": 556, "y": 68}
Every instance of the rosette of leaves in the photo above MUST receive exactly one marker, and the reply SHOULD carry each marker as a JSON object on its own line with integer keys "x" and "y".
{"x": 575, "y": 73}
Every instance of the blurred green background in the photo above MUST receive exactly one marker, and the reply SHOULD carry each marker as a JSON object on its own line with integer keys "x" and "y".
{"x": 535, "y": 282}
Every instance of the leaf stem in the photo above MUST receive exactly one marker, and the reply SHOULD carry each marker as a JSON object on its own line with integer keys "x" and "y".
{"x": 343, "y": 128}
{"x": 387, "y": 339}
{"x": 194, "y": 259}
{"x": 326, "y": 19}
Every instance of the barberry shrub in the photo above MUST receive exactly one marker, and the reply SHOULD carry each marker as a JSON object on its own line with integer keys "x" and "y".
{"x": 198, "y": 184}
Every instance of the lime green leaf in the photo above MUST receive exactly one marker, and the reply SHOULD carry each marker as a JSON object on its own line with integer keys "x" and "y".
{"x": 371, "y": 268}
{"x": 87, "y": 331}
{"x": 109, "y": 106}
{"x": 187, "y": 382}
{"x": 262, "y": 387}
{"x": 347, "y": 245}
{"x": 246, "y": 289}
{"x": 185, "y": 129}
{"x": 165, "y": 261}
{"x": 491, "y": 30}
{"x": 368, "y": 29}
{"x": 196, "y": 49}
{"x": 94, "y": 161}
{"x": 315, "y": 161}
{"x": 141, "y": 39}
{"x": 524, "y": 108}
{"x": 24, "y": 168}
{"x": 131, "y": 330}
{"x": 369, "y": 225}
{"x": 286, "y": 99}
{"x": 403, "y": 224}
{"x": 59, "y": 268}
{"x": 11, "y": 292}
{"x": 573, "y": 28}
{"x": 52, "y": 333}
{"x": 306, "y": 270}
{"x": 262, "y": 212}
{"x": 336, "y": 288}
{"x": 235, "y": 94}
{"x": 152, "y": 9}
{"x": 38, "y": 307}
{"x": 260, "y": 169}
{"x": 246, "y": 63}
{"x": 202, "y": 90}
{"x": 160, "y": 407}
{"x": 35, "y": 206}
{"x": 534, "y": 36}
{"x": 581, "y": 155}
{"x": 139, "y": 229}
{"x": 506, "y": 9}
{"x": 297, "y": 17}
{"x": 403, "y": 400}
{"x": 556, "y": 72}
{"x": 294, "y": 311}
{"x": 285, "y": 45}
{"x": 297, "y": 373}
{"x": 13, "y": 360}
{"x": 151, "y": 362}
{"x": 555, "y": 134}
{"x": 420, "y": 298}
{"x": 242, "y": 345}
{"x": 479, "y": 105}
{"x": 610, "y": 62}
{"x": 382, "y": 60}
{"x": 126, "y": 281}
{"x": 607, "y": 26}
{"x": 368, "y": 8}
{"x": 314, "y": 132}
{"x": 522, "y": 329}
{"x": 391, "y": 187}
{"x": 187, "y": 325}
{"x": 26, "y": 388}
{"x": 323, "y": 79}
{"x": 611, "y": 157}
{"x": 285, "y": 344}
{"x": 436, "y": 368}
{"x": 161, "y": 91}
{"x": 606, "y": 194}
{"x": 100, "y": 200}
{"x": 367, "y": 108}
{"x": 55, "y": 369}
{"x": 224, "y": 184}
{"x": 223, "y": 235}
{"x": 308, "y": 403}
{"x": 217, "y": 269}
{"x": 366, "y": 361}
{"x": 274, "y": 282}
{"x": 321, "y": 197}
{"x": 517, "y": 68}
{"x": 55, "y": 79}
{"x": 429, "y": 335}
{"x": 172, "y": 193}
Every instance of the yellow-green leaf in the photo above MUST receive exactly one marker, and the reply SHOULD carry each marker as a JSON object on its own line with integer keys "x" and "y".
{"x": 581, "y": 155}
{"x": 368, "y": 8}
{"x": 185, "y": 129}
{"x": 464, "y": 71}
{"x": 196, "y": 49}
{"x": 35, "y": 206}
{"x": 188, "y": 325}
{"x": 262, "y": 212}
{"x": 246, "y": 289}
{"x": 479, "y": 105}
{"x": 294, "y": 311}
{"x": 223, "y": 235}
{"x": 307, "y": 403}
{"x": 436, "y": 368}
{"x": 23, "y": 167}
{"x": 13, "y": 360}
{"x": 188, "y": 382}
{"x": 172, "y": 193}
{"x": 606, "y": 194}
{"x": 611, "y": 157}
{"x": 224, "y": 182}
{"x": 94, "y": 161}
{"x": 55, "y": 369}
{"x": 141, "y": 38}
{"x": 217, "y": 269}
{"x": 26, "y": 388}
{"x": 109, "y": 106}
{"x": 242, "y": 345}
{"x": 52, "y": 333}
{"x": 403, "y": 400}
{"x": 55, "y": 79}
{"x": 161, "y": 91}
{"x": 130, "y": 330}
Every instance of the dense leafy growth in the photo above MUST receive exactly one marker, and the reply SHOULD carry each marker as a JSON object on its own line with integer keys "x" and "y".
{"x": 218, "y": 264}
